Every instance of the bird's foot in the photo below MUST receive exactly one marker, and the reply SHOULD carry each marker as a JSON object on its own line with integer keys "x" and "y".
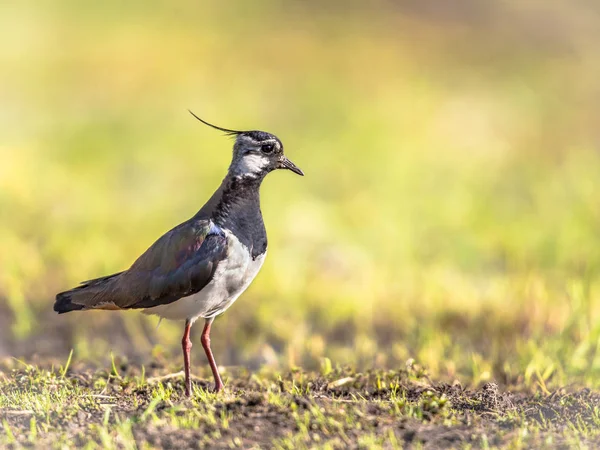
{"x": 218, "y": 387}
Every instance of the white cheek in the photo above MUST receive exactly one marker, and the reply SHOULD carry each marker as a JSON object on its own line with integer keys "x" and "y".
{"x": 253, "y": 163}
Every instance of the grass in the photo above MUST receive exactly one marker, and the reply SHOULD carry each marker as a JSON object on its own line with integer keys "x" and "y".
{"x": 448, "y": 217}
{"x": 375, "y": 409}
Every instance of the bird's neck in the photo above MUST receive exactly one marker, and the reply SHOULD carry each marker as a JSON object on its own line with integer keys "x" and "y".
{"x": 235, "y": 206}
{"x": 238, "y": 210}
{"x": 239, "y": 199}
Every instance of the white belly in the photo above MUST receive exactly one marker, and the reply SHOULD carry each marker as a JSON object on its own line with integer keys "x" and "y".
{"x": 232, "y": 277}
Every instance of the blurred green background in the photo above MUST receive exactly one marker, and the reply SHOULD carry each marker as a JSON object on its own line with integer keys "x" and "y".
{"x": 450, "y": 211}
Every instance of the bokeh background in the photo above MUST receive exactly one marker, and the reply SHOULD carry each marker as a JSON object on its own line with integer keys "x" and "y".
{"x": 450, "y": 210}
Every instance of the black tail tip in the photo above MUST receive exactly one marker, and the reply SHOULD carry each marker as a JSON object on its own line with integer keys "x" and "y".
{"x": 63, "y": 304}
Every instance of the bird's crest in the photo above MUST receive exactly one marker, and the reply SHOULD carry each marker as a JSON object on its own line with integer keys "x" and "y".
{"x": 225, "y": 130}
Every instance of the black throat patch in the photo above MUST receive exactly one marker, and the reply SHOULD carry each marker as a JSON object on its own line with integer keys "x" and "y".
{"x": 238, "y": 210}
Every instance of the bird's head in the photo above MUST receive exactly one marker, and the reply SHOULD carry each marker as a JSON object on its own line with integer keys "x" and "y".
{"x": 256, "y": 153}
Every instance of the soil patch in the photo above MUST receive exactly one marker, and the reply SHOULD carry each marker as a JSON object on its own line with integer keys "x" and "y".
{"x": 122, "y": 407}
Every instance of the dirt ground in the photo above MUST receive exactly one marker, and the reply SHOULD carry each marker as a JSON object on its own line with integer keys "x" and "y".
{"x": 123, "y": 407}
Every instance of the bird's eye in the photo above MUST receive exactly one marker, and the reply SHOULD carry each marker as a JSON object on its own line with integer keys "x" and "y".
{"x": 267, "y": 148}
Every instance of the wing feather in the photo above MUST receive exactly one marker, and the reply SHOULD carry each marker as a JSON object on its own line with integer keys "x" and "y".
{"x": 177, "y": 265}
{"x": 180, "y": 263}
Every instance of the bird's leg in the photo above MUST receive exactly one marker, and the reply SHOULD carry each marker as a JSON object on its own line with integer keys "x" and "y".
{"x": 205, "y": 339}
{"x": 186, "y": 345}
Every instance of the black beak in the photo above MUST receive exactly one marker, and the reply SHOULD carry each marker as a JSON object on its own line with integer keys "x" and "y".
{"x": 287, "y": 164}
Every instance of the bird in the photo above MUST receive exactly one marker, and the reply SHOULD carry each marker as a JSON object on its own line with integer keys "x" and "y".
{"x": 200, "y": 267}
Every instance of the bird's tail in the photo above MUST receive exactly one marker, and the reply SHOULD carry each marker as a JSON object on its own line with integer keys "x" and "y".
{"x": 88, "y": 295}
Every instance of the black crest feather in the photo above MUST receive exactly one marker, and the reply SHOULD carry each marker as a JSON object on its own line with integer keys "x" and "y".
{"x": 225, "y": 130}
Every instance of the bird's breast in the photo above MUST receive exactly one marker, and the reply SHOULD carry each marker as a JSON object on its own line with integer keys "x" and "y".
{"x": 240, "y": 267}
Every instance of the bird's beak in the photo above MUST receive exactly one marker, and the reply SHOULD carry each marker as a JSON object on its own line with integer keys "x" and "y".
{"x": 285, "y": 163}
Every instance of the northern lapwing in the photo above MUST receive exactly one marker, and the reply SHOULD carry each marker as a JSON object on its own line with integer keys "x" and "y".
{"x": 199, "y": 268}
